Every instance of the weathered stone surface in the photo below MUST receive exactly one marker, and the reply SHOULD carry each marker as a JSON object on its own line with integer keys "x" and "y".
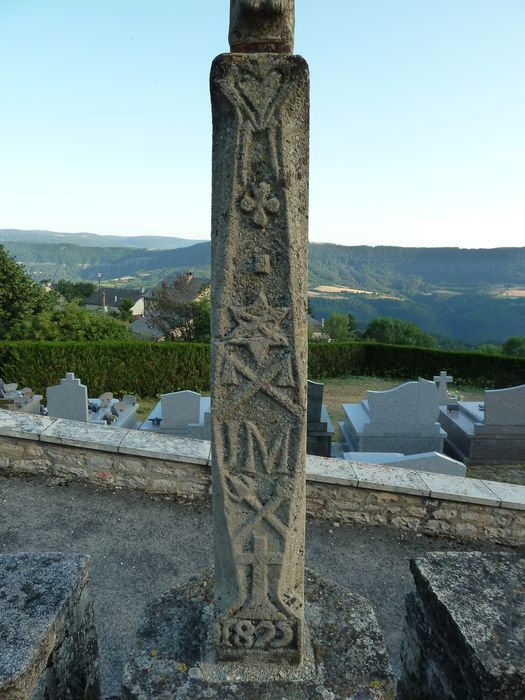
{"x": 345, "y": 652}
{"x": 262, "y": 26}
{"x": 464, "y": 636}
{"x": 48, "y": 644}
{"x": 259, "y": 349}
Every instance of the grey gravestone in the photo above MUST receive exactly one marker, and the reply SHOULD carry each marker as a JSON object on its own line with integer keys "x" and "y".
{"x": 315, "y": 401}
{"x": 243, "y": 635}
{"x": 69, "y": 399}
{"x": 505, "y": 406}
{"x": 319, "y": 426}
{"x": 492, "y": 432}
{"x": 180, "y": 408}
{"x": 403, "y": 420}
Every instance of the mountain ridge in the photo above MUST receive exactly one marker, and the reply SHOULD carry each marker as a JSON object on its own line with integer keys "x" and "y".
{"x": 454, "y": 292}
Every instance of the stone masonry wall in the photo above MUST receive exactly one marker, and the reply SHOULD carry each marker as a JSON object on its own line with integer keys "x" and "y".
{"x": 430, "y": 516}
{"x": 339, "y": 491}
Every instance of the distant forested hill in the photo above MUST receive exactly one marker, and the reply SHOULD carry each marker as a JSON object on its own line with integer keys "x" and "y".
{"x": 95, "y": 239}
{"x": 450, "y": 292}
{"x": 391, "y": 269}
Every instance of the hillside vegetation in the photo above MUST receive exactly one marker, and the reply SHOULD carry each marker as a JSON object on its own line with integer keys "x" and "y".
{"x": 449, "y": 292}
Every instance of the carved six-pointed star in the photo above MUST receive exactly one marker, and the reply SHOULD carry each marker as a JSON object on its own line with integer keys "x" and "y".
{"x": 258, "y": 327}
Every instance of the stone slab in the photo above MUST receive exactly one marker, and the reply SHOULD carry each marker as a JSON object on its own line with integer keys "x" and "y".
{"x": 80, "y": 434}
{"x": 173, "y": 659}
{"x": 456, "y": 488}
{"x": 372, "y": 457}
{"x": 383, "y": 478}
{"x": 26, "y": 426}
{"x": 330, "y": 471}
{"x": 430, "y": 462}
{"x": 511, "y": 495}
{"x": 146, "y": 444}
{"x": 464, "y": 637}
{"x": 48, "y": 646}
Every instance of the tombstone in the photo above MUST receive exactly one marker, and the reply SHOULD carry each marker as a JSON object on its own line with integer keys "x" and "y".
{"x": 492, "y": 432}
{"x": 247, "y": 639}
{"x": 403, "y": 420}
{"x": 442, "y": 379}
{"x": 69, "y": 399}
{"x": 319, "y": 429}
{"x": 181, "y": 413}
{"x": 180, "y": 408}
{"x": 432, "y": 462}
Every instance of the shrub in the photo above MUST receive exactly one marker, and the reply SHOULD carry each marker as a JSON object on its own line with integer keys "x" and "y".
{"x": 141, "y": 368}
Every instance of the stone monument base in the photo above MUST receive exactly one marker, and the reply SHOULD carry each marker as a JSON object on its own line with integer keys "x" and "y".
{"x": 48, "y": 643}
{"x": 464, "y": 636}
{"x": 345, "y": 655}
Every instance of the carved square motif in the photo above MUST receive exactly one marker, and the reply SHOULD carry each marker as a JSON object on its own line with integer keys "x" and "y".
{"x": 262, "y": 264}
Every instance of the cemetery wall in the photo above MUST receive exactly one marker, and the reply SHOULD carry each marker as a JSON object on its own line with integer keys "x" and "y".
{"x": 338, "y": 491}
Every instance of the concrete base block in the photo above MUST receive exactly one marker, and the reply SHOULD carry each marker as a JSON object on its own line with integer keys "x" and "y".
{"x": 345, "y": 655}
{"x": 48, "y": 643}
{"x": 464, "y": 636}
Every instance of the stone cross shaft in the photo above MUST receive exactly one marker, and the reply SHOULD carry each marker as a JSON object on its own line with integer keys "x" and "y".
{"x": 260, "y": 104}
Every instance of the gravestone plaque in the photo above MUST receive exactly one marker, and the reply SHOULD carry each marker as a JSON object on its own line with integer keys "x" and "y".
{"x": 259, "y": 310}
{"x": 69, "y": 399}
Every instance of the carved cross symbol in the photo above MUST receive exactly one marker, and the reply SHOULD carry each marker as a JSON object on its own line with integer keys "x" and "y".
{"x": 259, "y": 604}
{"x": 262, "y": 205}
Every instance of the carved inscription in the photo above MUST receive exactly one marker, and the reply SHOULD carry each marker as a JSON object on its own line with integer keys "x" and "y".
{"x": 259, "y": 359}
{"x": 257, "y": 634}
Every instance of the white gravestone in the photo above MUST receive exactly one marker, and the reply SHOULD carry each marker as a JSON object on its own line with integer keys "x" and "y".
{"x": 442, "y": 379}
{"x": 69, "y": 399}
{"x": 492, "y": 432}
{"x": 403, "y": 420}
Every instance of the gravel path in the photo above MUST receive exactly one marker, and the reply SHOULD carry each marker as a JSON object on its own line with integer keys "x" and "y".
{"x": 141, "y": 546}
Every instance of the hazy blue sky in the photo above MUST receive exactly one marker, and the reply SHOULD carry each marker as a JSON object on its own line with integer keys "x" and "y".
{"x": 418, "y": 114}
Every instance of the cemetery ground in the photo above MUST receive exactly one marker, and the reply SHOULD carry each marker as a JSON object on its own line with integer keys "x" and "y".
{"x": 141, "y": 545}
{"x": 353, "y": 390}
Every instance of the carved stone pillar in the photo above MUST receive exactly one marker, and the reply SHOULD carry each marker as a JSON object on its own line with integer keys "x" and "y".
{"x": 259, "y": 356}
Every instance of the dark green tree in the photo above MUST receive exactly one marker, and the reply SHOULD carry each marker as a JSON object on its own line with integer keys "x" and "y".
{"x": 515, "y": 346}
{"x": 397, "y": 332}
{"x": 75, "y": 291}
{"x": 72, "y": 322}
{"x": 124, "y": 309}
{"x": 20, "y": 298}
{"x": 340, "y": 327}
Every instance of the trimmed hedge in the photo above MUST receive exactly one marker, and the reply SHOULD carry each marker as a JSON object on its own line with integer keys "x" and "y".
{"x": 144, "y": 369}
{"x": 148, "y": 369}
{"x": 378, "y": 360}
